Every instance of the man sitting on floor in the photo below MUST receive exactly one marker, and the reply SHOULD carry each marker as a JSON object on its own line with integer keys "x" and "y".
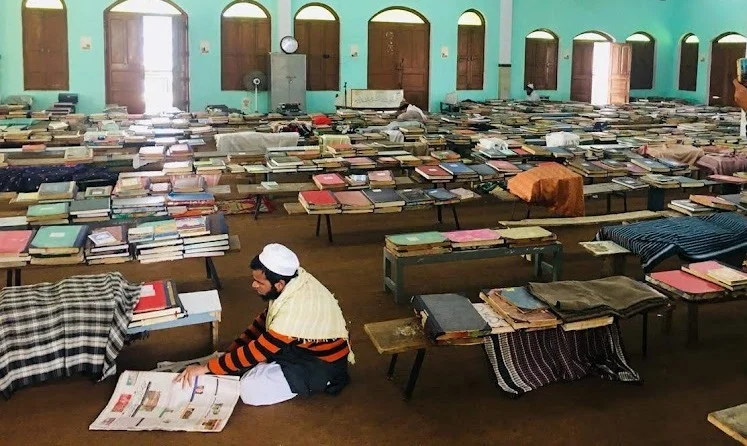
{"x": 297, "y": 346}
{"x": 409, "y": 112}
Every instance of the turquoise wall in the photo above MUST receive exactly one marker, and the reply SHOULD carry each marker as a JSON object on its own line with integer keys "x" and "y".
{"x": 442, "y": 15}
{"x": 570, "y": 18}
{"x": 723, "y": 16}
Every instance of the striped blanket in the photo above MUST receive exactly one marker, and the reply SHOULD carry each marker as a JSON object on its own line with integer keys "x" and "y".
{"x": 54, "y": 330}
{"x": 692, "y": 238}
{"x": 527, "y": 360}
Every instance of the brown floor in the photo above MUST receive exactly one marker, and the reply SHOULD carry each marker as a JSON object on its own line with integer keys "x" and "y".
{"x": 455, "y": 399}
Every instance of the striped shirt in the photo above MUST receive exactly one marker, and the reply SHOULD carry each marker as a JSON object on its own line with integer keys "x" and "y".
{"x": 257, "y": 344}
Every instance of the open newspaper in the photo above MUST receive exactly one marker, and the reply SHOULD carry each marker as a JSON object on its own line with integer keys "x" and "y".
{"x": 146, "y": 401}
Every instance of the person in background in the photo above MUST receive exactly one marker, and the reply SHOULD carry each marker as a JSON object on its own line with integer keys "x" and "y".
{"x": 532, "y": 95}
{"x": 409, "y": 112}
{"x": 297, "y": 346}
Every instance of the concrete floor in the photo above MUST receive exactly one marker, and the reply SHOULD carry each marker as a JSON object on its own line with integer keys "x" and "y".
{"x": 455, "y": 399}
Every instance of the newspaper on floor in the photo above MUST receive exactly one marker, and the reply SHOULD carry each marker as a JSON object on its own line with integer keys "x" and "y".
{"x": 178, "y": 367}
{"x": 145, "y": 401}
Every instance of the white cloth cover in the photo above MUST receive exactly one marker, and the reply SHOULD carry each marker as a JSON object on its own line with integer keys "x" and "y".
{"x": 562, "y": 139}
{"x": 254, "y": 141}
{"x": 493, "y": 143}
{"x": 265, "y": 385}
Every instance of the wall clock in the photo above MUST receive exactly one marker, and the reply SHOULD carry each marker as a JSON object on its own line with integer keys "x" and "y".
{"x": 289, "y": 44}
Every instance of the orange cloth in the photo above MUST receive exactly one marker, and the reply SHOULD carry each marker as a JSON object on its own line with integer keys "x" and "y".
{"x": 551, "y": 185}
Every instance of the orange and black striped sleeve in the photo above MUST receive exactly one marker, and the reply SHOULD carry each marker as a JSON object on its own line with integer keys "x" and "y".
{"x": 249, "y": 355}
{"x": 251, "y": 333}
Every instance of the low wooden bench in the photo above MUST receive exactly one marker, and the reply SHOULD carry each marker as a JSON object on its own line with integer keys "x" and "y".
{"x": 613, "y": 255}
{"x": 732, "y": 422}
{"x": 626, "y": 217}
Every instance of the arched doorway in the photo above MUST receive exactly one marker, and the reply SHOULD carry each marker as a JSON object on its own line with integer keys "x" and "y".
{"x": 726, "y": 50}
{"x": 583, "y": 64}
{"x": 643, "y": 47}
{"x": 689, "y": 48}
{"x": 399, "y": 54}
{"x": 147, "y": 55}
{"x": 541, "y": 60}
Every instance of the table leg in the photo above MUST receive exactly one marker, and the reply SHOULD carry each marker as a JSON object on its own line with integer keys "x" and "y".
{"x": 208, "y": 273}
{"x": 666, "y": 327}
{"x": 439, "y": 214}
{"x": 18, "y": 277}
{"x": 656, "y": 199}
{"x": 398, "y": 274}
{"x": 387, "y": 271}
{"x": 644, "y": 335}
{"x": 8, "y": 277}
{"x": 318, "y": 224}
{"x": 537, "y": 264}
{"x": 557, "y": 264}
{"x": 609, "y": 203}
{"x": 414, "y": 373}
{"x": 213, "y": 273}
{"x": 257, "y": 205}
{"x": 513, "y": 209}
{"x": 692, "y": 323}
{"x": 529, "y": 210}
{"x": 329, "y": 227}
{"x": 392, "y": 365}
{"x": 214, "y": 327}
{"x": 625, "y": 202}
{"x": 456, "y": 217}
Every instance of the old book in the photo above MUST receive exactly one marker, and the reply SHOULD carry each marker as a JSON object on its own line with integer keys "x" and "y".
{"x": 604, "y": 248}
{"x": 384, "y": 198}
{"x": 470, "y": 239}
{"x": 687, "y": 207}
{"x": 630, "y": 182}
{"x": 449, "y": 316}
{"x": 718, "y": 273}
{"x": 713, "y": 202}
{"x": 57, "y": 191}
{"x": 329, "y": 181}
{"x": 98, "y": 192}
{"x": 15, "y": 243}
{"x": 58, "y": 240}
{"x": 354, "y": 201}
{"x": 685, "y": 285}
{"x": 496, "y": 322}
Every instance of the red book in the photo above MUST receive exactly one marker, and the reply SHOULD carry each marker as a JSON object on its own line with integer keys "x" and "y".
{"x": 430, "y": 172}
{"x": 155, "y": 296}
{"x": 318, "y": 197}
{"x": 503, "y": 166}
{"x": 687, "y": 283}
{"x": 521, "y": 152}
{"x": 13, "y": 243}
{"x": 329, "y": 180}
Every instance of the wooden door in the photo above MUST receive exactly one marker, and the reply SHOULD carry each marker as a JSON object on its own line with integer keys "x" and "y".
{"x": 541, "y": 64}
{"x": 45, "y": 51}
{"x": 398, "y": 58}
{"x": 582, "y": 71}
{"x": 642, "y": 65}
{"x": 689, "y": 67}
{"x": 125, "y": 73}
{"x": 181, "y": 63}
{"x": 471, "y": 57}
{"x": 724, "y": 71}
{"x": 320, "y": 42}
{"x": 621, "y": 55}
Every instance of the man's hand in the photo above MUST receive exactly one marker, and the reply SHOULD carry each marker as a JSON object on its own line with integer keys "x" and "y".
{"x": 190, "y": 373}
{"x": 740, "y": 94}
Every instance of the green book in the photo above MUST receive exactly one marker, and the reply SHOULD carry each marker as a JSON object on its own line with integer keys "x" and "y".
{"x": 56, "y": 237}
{"x": 45, "y": 210}
{"x": 418, "y": 238}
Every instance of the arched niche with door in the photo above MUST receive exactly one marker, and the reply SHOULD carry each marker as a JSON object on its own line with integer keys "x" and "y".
{"x": 725, "y": 51}
{"x": 689, "y": 50}
{"x": 471, "y": 51}
{"x": 245, "y": 28}
{"x": 147, "y": 55}
{"x": 45, "y": 49}
{"x": 643, "y": 47}
{"x": 317, "y": 30}
{"x": 399, "y": 54}
{"x": 583, "y": 64}
{"x": 541, "y": 59}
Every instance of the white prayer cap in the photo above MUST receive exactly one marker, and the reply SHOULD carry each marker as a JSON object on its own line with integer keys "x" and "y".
{"x": 279, "y": 259}
{"x": 531, "y": 86}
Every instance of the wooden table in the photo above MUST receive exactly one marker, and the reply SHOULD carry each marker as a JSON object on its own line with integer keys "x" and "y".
{"x": 394, "y": 266}
{"x": 732, "y": 421}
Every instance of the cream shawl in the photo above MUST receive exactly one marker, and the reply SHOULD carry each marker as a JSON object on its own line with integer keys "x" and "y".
{"x": 306, "y": 310}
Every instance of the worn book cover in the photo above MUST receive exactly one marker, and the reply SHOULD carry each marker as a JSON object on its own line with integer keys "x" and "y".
{"x": 384, "y": 197}
{"x": 685, "y": 282}
{"x": 449, "y": 316}
{"x": 57, "y": 237}
{"x": 15, "y": 242}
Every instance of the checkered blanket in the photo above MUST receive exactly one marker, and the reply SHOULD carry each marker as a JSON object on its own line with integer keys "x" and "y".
{"x": 52, "y": 330}
{"x": 527, "y": 360}
{"x": 693, "y": 238}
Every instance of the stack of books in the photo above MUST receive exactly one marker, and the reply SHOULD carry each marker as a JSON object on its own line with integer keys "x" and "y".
{"x": 108, "y": 245}
{"x": 159, "y": 302}
{"x": 284, "y": 163}
{"x": 416, "y": 199}
{"x": 417, "y": 244}
{"x": 520, "y": 308}
{"x": 690, "y": 208}
{"x": 365, "y": 150}
{"x": 329, "y": 181}
{"x": 14, "y": 246}
{"x": 187, "y": 184}
{"x": 485, "y": 172}
{"x": 97, "y": 192}
{"x": 177, "y": 168}
{"x": 157, "y": 241}
{"x": 435, "y": 174}
{"x": 385, "y": 200}
{"x": 354, "y": 202}
{"x": 132, "y": 187}
{"x": 204, "y": 236}
{"x": 361, "y": 162}
{"x": 381, "y": 178}
{"x": 460, "y": 171}
{"x": 717, "y": 203}
{"x": 91, "y": 210}
{"x": 151, "y": 154}
{"x": 443, "y": 196}
{"x": 630, "y": 182}
{"x": 58, "y": 245}
{"x": 449, "y": 319}
{"x": 356, "y": 181}
{"x": 446, "y": 155}
{"x": 212, "y": 165}
{"x": 190, "y": 205}
{"x": 48, "y": 214}
{"x": 341, "y": 149}
{"x": 661, "y": 181}
{"x": 179, "y": 152}
{"x": 78, "y": 155}
{"x": 409, "y": 160}
{"x": 319, "y": 202}
{"x": 528, "y": 236}
{"x": 504, "y": 167}
{"x": 474, "y": 239}
{"x": 153, "y": 206}
{"x": 57, "y": 192}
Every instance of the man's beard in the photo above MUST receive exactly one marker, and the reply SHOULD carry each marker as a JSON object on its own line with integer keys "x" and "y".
{"x": 271, "y": 295}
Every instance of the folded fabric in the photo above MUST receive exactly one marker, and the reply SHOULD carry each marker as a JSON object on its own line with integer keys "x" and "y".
{"x": 523, "y": 361}
{"x": 612, "y": 296}
{"x": 551, "y": 185}
{"x": 54, "y": 330}
{"x": 692, "y": 238}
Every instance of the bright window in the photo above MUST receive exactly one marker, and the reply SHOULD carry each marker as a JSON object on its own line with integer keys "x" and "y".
{"x": 245, "y": 10}
{"x": 397, "y": 16}
{"x": 470, "y": 18}
{"x": 638, "y": 37}
{"x": 544, "y": 35}
{"x": 591, "y": 37}
{"x": 315, "y": 12}
{"x": 692, "y": 39}
{"x": 154, "y": 7}
{"x": 733, "y": 38}
{"x": 44, "y": 4}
